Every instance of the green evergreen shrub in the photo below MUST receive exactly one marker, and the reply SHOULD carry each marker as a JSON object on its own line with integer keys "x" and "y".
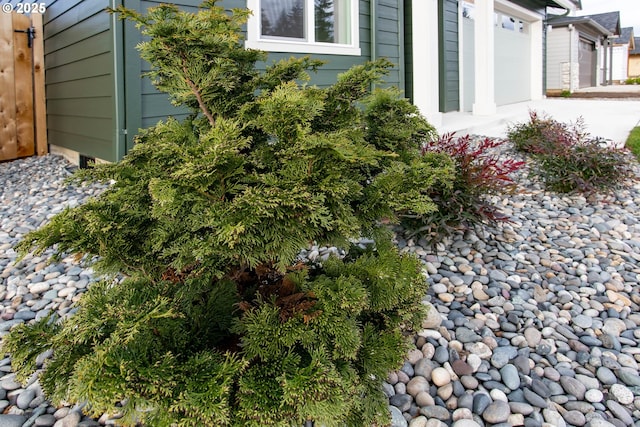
{"x": 567, "y": 158}
{"x": 212, "y": 322}
{"x": 309, "y": 344}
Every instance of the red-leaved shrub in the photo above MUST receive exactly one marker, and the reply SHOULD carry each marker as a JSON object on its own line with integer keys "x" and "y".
{"x": 481, "y": 171}
{"x": 567, "y": 158}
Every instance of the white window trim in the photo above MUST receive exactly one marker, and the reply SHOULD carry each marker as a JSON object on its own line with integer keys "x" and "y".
{"x": 298, "y": 46}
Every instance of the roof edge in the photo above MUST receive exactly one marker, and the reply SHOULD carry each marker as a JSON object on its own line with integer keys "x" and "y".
{"x": 580, "y": 20}
{"x": 567, "y": 4}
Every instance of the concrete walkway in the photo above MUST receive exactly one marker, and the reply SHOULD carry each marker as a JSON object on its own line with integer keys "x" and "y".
{"x": 609, "y": 118}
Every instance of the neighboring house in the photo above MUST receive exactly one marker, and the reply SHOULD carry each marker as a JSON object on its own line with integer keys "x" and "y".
{"x": 610, "y": 21}
{"x": 450, "y": 55}
{"x": 634, "y": 58}
{"x": 620, "y": 55}
{"x": 489, "y": 53}
{"x": 574, "y": 58}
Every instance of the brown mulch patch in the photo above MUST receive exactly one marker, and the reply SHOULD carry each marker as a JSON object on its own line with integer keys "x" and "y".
{"x": 601, "y": 95}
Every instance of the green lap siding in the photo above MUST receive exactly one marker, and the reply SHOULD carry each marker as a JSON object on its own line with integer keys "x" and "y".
{"x": 449, "y": 64}
{"x": 97, "y": 100}
{"x": 79, "y": 69}
{"x": 408, "y": 50}
{"x": 153, "y": 106}
{"x": 390, "y": 38}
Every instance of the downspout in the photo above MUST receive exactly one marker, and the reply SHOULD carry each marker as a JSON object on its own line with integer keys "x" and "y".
{"x": 119, "y": 118}
{"x": 461, "y": 74}
{"x": 401, "y": 61}
{"x": 373, "y": 29}
{"x": 545, "y": 44}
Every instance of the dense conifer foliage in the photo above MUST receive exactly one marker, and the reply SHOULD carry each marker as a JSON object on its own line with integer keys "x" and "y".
{"x": 206, "y": 316}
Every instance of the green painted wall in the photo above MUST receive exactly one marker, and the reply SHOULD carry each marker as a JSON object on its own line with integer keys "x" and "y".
{"x": 97, "y": 100}
{"x": 408, "y": 50}
{"x": 144, "y": 105}
{"x": 80, "y": 85}
{"x": 449, "y": 64}
{"x": 153, "y": 106}
{"x": 390, "y": 38}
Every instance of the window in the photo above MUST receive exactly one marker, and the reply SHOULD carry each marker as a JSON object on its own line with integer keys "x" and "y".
{"x": 304, "y": 26}
{"x": 510, "y": 23}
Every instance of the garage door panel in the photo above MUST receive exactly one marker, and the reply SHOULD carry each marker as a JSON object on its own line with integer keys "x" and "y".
{"x": 512, "y": 66}
{"x": 586, "y": 63}
{"x": 468, "y": 61}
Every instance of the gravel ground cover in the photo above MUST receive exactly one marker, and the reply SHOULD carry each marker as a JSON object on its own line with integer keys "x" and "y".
{"x": 533, "y": 322}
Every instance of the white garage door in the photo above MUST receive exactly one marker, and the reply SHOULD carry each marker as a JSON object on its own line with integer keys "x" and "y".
{"x": 512, "y": 60}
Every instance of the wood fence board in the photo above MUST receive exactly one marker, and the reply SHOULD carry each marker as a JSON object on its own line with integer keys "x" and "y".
{"x": 40, "y": 103}
{"x": 22, "y": 67}
{"x": 22, "y": 121}
{"x": 8, "y": 140}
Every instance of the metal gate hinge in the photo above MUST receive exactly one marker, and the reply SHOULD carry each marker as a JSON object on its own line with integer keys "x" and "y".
{"x": 31, "y": 34}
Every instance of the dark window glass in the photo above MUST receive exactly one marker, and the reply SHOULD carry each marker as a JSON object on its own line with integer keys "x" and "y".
{"x": 282, "y": 18}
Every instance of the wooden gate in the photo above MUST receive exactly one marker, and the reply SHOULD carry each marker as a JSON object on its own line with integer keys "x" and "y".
{"x": 22, "y": 100}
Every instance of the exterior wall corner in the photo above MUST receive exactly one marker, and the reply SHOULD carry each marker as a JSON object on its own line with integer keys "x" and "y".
{"x": 424, "y": 15}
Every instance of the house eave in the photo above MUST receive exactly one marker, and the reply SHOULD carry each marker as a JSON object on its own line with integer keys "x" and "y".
{"x": 563, "y": 4}
{"x": 580, "y": 20}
